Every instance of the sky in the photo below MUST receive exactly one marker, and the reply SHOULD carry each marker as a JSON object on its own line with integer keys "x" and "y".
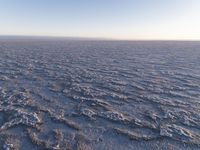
{"x": 112, "y": 19}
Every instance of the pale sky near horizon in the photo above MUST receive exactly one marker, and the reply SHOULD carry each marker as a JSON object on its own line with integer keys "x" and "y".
{"x": 116, "y": 19}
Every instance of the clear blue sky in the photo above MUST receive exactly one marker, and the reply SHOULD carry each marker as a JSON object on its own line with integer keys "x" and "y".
{"x": 120, "y": 19}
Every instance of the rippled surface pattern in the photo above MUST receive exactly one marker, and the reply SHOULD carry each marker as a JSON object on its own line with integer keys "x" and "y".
{"x": 59, "y": 95}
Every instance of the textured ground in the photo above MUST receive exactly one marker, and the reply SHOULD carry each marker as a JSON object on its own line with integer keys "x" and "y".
{"x": 59, "y": 94}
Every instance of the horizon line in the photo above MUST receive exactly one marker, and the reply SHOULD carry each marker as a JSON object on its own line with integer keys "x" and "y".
{"x": 92, "y": 38}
